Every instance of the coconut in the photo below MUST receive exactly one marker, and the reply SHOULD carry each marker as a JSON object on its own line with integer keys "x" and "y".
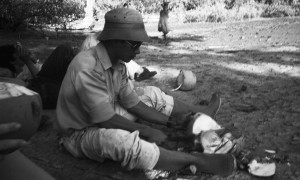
{"x": 261, "y": 169}
{"x": 210, "y": 141}
{"x": 201, "y": 122}
{"x": 21, "y": 105}
{"x": 186, "y": 80}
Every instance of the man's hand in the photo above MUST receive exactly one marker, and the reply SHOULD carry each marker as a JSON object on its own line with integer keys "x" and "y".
{"x": 156, "y": 136}
{"x": 180, "y": 121}
{"x": 9, "y": 144}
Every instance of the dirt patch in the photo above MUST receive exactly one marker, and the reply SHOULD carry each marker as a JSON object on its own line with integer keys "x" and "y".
{"x": 255, "y": 63}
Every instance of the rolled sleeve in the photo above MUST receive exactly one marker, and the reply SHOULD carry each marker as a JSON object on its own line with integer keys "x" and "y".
{"x": 128, "y": 96}
{"x": 92, "y": 92}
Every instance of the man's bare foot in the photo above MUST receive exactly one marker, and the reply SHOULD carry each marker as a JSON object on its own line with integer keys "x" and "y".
{"x": 214, "y": 105}
{"x": 220, "y": 164}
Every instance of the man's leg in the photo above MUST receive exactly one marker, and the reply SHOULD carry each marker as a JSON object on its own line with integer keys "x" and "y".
{"x": 210, "y": 110}
{"x": 55, "y": 67}
{"x": 119, "y": 145}
{"x": 221, "y": 164}
{"x": 135, "y": 153}
{"x": 170, "y": 106}
{"x": 49, "y": 79}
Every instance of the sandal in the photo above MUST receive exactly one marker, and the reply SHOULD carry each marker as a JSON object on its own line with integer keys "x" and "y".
{"x": 146, "y": 74}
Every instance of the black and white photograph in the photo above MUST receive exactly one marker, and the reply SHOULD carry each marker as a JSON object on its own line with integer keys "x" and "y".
{"x": 149, "y": 89}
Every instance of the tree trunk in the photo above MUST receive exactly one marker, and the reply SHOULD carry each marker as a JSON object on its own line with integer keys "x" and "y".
{"x": 88, "y": 20}
{"x": 89, "y": 9}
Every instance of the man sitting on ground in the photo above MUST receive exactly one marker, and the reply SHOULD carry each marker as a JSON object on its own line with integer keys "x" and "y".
{"x": 97, "y": 106}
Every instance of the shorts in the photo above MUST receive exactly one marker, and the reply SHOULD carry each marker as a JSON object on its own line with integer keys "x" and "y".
{"x": 119, "y": 145}
{"x": 152, "y": 97}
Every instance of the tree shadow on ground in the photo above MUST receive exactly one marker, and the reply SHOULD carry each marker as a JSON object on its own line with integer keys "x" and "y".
{"x": 269, "y": 81}
{"x": 279, "y": 57}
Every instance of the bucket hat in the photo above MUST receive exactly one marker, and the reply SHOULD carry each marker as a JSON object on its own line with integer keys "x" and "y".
{"x": 124, "y": 24}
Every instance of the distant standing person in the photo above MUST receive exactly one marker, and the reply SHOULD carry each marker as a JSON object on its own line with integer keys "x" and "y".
{"x": 163, "y": 25}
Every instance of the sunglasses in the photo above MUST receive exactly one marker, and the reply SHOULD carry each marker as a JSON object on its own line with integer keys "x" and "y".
{"x": 134, "y": 44}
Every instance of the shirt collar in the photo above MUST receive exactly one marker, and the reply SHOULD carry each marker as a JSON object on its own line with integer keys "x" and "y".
{"x": 103, "y": 57}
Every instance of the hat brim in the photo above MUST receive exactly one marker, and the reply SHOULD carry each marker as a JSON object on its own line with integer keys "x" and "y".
{"x": 124, "y": 31}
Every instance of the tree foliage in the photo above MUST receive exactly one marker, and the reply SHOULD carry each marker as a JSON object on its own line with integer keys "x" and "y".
{"x": 58, "y": 13}
{"x": 16, "y": 13}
